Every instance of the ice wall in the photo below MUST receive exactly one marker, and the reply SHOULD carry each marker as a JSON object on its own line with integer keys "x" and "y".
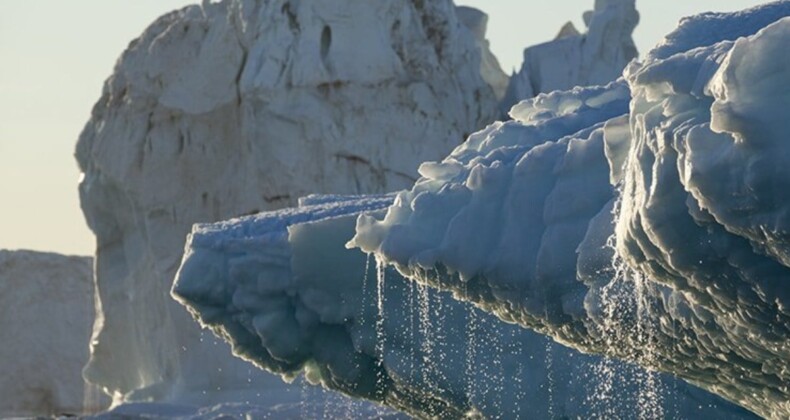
{"x": 523, "y": 221}
{"x": 46, "y": 310}
{"x": 595, "y": 57}
{"x": 283, "y": 289}
{"x": 492, "y": 73}
{"x": 234, "y": 107}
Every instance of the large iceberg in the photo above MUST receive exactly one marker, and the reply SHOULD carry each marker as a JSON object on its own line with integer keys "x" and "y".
{"x": 645, "y": 220}
{"x": 234, "y": 107}
{"x": 285, "y": 292}
{"x": 681, "y": 267}
{"x": 46, "y": 304}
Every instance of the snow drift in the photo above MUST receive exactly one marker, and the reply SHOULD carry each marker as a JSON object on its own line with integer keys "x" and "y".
{"x": 283, "y": 290}
{"x": 682, "y": 267}
{"x": 46, "y": 305}
{"x": 234, "y": 107}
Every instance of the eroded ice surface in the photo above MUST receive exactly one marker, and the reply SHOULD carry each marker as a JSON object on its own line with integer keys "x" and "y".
{"x": 283, "y": 289}
{"x": 234, "y": 107}
{"x": 523, "y": 221}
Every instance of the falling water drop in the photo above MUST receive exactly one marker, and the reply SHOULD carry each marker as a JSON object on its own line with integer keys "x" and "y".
{"x": 650, "y": 391}
{"x": 471, "y": 354}
{"x": 426, "y": 343}
{"x": 517, "y": 349}
{"x": 381, "y": 271}
{"x": 362, "y": 313}
{"x": 550, "y": 376}
{"x": 499, "y": 373}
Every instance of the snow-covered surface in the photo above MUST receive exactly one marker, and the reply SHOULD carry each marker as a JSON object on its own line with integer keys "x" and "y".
{"x": 283, "y": 289}
{"x": 46, "y": 310}
{"x": 520, "y": 218}
{"x": 234, "y": 107}
{"x": 594, "y": 57}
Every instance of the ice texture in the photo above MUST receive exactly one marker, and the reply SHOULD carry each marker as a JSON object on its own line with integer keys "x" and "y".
{"x": 234, "y": 107}
{"x": 492, "y": 73}
{"x": 654, "y": 232}
{"x": 595, "y": 57}
{"x": 46, "y": 304}
{"x": 284, "y": 291}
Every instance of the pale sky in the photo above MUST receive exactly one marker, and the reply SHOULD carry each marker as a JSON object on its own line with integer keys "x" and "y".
{"x": 55, "y": 55}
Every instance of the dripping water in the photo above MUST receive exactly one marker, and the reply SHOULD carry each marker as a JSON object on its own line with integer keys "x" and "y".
{"x": 412, "y": 334}
{"x": 381, "y": 271}
{"x": 498, "y": 377}
{"x": 304, "y": 406}
{"x": 439, "y": 328}
{"x": 549, "y": 360}
{"x": 362, "y": 312}
{"x": 517, "y": 349}
{"x": 352, "y": 409}
{"x": 471, "y": 354}
{"x": 426, "y": 333}
{"x": 626, "y": 323}
{"x": 650, "y": 390}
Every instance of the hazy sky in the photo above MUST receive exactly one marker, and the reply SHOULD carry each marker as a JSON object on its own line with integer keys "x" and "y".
{"x": 55, "y": 55}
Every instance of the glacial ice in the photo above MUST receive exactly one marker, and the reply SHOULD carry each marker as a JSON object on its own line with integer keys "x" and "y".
{"x": 46, "y": 307}
{"x": 595, "y": 57}
{"x": 490, "y": 70}
{"x": 655, "y": 234}
{"x": 281, "y": 287}
{"x": 234, "y": 107}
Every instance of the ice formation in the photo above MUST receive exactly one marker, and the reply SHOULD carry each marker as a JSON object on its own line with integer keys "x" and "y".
{"x": 523, "y": 221}
{"x": 46, "y": 304}
{"x": 283, "y": 289}
{"x": 492, "y": 73}
{"x": 595, "y": 57}
{"x": 234, "y": 107}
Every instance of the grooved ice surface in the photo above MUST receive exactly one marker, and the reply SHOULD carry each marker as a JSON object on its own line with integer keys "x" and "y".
{"x": 239, "y": 106}
{"x": 522, "y": 219}
{"x": 285, "y": 292}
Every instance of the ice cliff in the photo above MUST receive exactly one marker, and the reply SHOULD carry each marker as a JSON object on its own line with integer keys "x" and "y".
{"x": 492, "y": 73}
{"x": 594, "y": 57}
{"x": 644, "y": 220}
{"x": 46, "y": 304}
{"x": 284, "y": 290}
{"x": 522, "y": 219}
{"x": 235, "y": 107}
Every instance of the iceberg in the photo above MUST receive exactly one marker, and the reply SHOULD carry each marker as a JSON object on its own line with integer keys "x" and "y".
{"x": 46, "y": 307}
{"x": 273, "y": 99}
{"x": 642, "y": 220}
{"x": 281, "y": 287}
{"x": 657, "y": 236}
{"x": 231, "y": 108}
